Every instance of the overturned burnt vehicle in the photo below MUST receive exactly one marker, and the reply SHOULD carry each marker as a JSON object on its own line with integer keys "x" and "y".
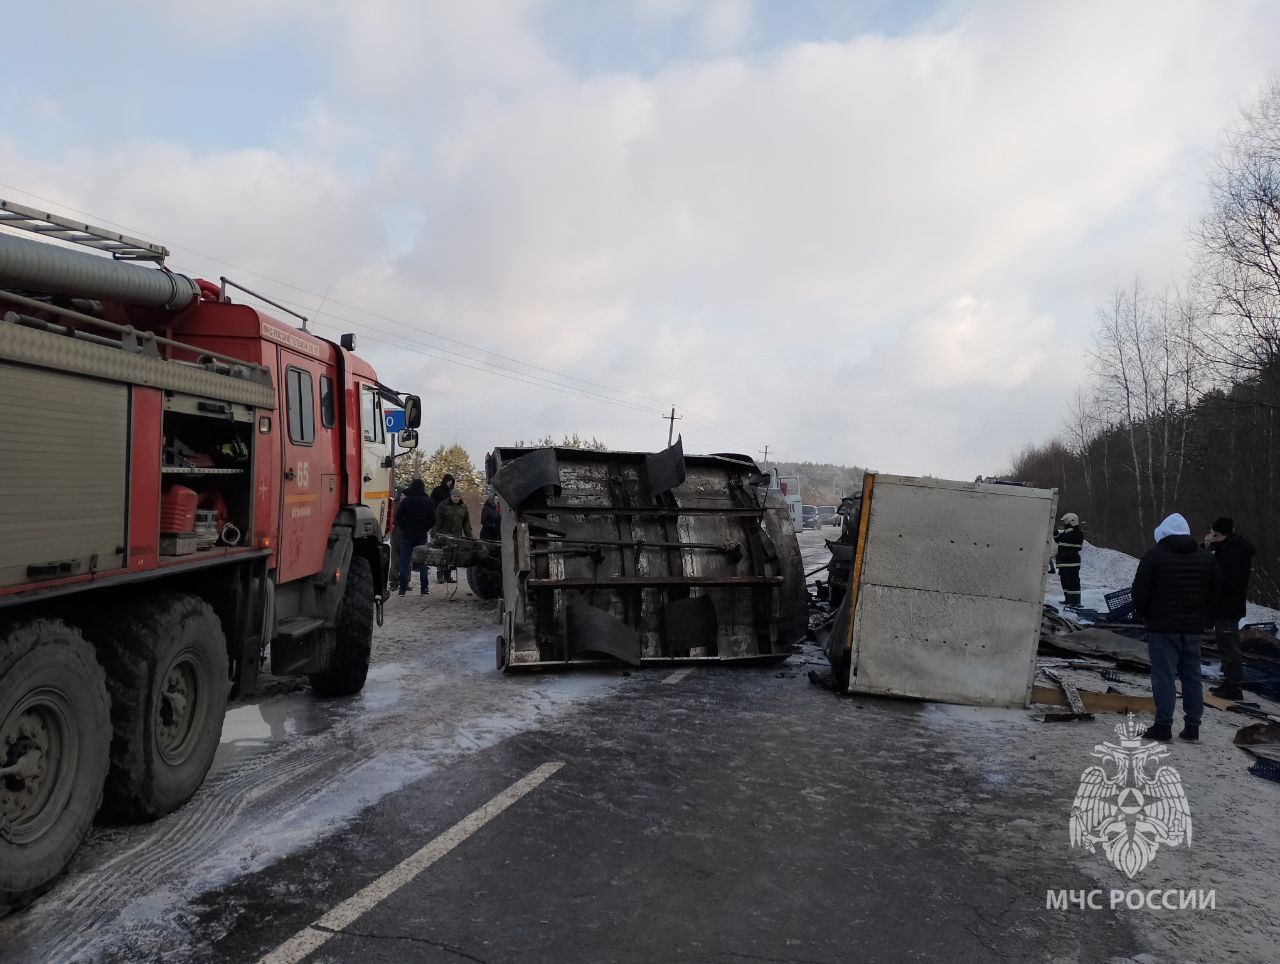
{"x": 643, "y": 559}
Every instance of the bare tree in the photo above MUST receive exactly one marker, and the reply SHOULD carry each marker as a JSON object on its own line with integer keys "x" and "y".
{"x": 1116, "y": 366}
{"x": 1083, "y": 427}
{"x": 1239, "y": 241}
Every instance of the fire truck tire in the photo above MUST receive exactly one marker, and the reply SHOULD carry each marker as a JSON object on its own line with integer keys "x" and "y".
{"x": 166, "y": 662}
{"x": 54, "y": 734}
{"x": 354, "y": 635}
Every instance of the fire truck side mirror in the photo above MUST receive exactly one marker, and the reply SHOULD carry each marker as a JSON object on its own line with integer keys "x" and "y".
{"x": 407, "y": 440}
{"x": 412, "y": 412}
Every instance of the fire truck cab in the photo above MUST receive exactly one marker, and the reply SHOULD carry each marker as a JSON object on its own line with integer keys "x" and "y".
{"x": 188, "y": 487}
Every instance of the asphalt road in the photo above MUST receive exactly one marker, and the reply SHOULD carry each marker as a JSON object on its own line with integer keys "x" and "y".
{"x": 707, "y": 815}
{"x": 725, "y": 816}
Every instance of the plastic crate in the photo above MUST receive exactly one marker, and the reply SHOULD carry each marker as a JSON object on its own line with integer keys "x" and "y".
{"x": 1120, "y": 606}
{"x": 1267, "y": 769}
{"x": 1264, "y": 682}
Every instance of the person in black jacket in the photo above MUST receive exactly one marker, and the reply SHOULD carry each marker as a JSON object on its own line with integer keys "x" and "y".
{"x": 440, "y": 494}
{"x": 415, "y": 516}
{"x": 1070, "y": 540}
{"x": 490, "y": 519}
{"x": 1234, "y": 554}
{"x": 1174, "y": 592}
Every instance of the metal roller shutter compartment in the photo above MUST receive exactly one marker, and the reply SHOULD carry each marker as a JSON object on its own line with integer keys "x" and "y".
{"x": 63, "y": 444}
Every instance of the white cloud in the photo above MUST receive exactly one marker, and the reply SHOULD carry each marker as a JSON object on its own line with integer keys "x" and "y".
{"x": 973, "y": 343}
{"x": 725, "y": 23}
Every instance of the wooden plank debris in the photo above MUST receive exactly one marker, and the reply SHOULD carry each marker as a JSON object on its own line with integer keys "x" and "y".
{"x": 1095, "y": 702}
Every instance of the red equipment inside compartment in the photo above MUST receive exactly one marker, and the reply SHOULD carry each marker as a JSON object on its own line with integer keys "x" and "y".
{"x": 178, "y": 509}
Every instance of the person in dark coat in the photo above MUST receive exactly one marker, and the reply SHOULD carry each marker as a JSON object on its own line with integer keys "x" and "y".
{"x": 1174, "y": 592}
{"x": 1234, "y": 554}
{"x": 415, "y": 515}
{"x": 490, "y": 520}
{"x": 1070, "y": 541}
{"x": 440, "y": 494}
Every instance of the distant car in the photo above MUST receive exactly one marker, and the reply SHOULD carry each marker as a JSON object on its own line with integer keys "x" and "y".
{"x": 827, "y": 516}
{"x": 809, "y": 513}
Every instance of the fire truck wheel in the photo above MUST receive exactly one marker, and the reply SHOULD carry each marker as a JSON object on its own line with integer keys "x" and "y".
{"x": 166, "y": 662}
{"x": 354, "y": 635}
{"x": 54, "y": 726}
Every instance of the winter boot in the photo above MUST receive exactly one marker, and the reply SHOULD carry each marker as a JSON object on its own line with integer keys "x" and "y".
{"x": 1190, "y": 733}
{"x": 1162, "y": 734}
{"x": 425, "y": 590}
{"x": 402, "y": 592}
{"x": 1227, "y": 692}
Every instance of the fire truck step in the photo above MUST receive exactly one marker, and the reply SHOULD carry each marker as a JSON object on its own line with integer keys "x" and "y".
{"x": 296, "y": 626}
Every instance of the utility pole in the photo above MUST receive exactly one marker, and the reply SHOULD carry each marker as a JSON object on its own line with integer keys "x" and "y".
{"x": 672, "y": 418}
{"x": 765, "y": 453}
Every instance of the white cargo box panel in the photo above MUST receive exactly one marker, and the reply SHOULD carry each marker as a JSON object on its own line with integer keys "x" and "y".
{"x": 951, "y": 591}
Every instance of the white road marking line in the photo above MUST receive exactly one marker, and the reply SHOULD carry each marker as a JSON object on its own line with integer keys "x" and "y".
{"x": 679, "y": 674}
{"x": 312, "y": 937}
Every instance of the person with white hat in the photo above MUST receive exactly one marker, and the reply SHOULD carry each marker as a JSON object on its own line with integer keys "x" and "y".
{"x": 1174, "y": 591}
{"x": 1070, "y": 540}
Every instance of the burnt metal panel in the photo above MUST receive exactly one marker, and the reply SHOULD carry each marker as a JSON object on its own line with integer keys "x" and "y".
{"x": 610, "y": 535}
{"x": 666, "y": 468}
{"x": 516, "y": 481}
{"x": 589, "y": 630}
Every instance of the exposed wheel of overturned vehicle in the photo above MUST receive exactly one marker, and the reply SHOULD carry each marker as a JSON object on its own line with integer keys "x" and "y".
{"x": 54, "y": 735}
{"x": 166, "y": 662}
{"x": 485, "y": 581}
{"x": 354, "y": 635}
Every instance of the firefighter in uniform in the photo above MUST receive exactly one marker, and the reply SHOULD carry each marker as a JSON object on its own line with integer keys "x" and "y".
{"x": 1070, "y": 540}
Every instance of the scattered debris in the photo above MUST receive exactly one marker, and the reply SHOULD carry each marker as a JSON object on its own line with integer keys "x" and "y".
{"x": 1100, "y": 642}
{"x": 1077, "y": 712}
{"x": 1262, "y": 742}
{"x": 825, "y": 680}
{"x": 1095, "y": 702}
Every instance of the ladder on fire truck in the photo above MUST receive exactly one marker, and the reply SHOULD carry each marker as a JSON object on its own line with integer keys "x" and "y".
{"x": 119, "y": 246}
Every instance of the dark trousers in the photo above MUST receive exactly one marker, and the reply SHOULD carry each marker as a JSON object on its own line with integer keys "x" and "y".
{"x": 1226, "y": 634}
{"x": 1070, "y": 578}
{"x": 1176, "y": 655}
{"x": 407, "y": 545}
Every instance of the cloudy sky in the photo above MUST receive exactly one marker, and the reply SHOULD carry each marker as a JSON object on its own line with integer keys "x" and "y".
{"x": 869, "y": 233}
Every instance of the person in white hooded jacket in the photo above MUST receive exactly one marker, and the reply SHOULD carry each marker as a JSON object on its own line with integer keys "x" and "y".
{"x": 1174, "y": 592}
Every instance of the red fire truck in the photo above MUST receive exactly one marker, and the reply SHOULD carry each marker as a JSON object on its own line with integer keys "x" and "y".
{"x": 187, "y": 484}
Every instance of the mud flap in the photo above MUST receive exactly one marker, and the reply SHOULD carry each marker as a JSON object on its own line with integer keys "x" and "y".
{"x": 666, "y": 469}
{"x": 588, "y": 630}
{"x": 518, "y": 480}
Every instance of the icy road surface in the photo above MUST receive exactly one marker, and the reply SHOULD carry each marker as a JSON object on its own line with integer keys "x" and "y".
{"x": 292, "y": 769}
{"x": 699, "y": 814}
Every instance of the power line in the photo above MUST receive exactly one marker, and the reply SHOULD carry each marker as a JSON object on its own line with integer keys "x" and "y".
{"x": 336, "y": 301}
{"x": 475, "y": 364}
